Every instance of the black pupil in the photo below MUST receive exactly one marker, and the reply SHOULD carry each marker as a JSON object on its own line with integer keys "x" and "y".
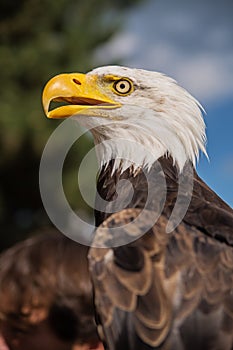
{"x": 122, "y": 86}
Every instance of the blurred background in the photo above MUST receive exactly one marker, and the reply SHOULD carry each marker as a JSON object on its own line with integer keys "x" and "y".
{"x": 190, "y": 41}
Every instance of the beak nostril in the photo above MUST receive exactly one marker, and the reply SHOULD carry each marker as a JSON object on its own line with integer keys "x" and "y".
{"x": 76, "y": 81}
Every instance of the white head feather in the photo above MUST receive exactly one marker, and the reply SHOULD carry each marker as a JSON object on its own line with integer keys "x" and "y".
{"x": 159, "y": 115}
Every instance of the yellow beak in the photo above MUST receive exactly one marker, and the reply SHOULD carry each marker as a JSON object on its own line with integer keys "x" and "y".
{"x": 80, "y": 91}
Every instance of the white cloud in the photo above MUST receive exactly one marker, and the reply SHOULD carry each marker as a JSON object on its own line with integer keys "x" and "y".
{"x": 122, "y": 46}
{"x": 190, "y": 41}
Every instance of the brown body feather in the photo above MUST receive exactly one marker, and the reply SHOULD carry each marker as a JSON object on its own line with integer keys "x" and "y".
{"x": 164, "y": 290}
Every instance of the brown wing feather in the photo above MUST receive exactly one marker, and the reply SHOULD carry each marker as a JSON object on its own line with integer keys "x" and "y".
{"x": 180, "y": 296}
{"x": 177, "y": 289}
{"x": 207, "y": 211}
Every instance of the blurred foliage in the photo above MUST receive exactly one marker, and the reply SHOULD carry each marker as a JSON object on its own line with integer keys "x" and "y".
{"x": 39, "y": 39}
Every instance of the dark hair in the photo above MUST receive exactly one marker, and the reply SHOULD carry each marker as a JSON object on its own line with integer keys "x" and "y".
{"x": 48, "y": 275}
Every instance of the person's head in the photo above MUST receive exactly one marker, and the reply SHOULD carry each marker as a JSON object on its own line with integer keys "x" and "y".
{"x": 46, "y": 299}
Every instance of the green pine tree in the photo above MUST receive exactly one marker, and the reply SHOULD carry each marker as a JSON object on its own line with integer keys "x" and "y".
{"x": 39, "y": 39}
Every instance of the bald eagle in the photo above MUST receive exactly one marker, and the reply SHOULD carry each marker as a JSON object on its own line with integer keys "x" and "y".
{"x": 162, "y": 266}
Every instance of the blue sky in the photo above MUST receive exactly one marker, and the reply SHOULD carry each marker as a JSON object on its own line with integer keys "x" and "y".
{"x": 193, "y": 43}
{"x": 218, "y": 172}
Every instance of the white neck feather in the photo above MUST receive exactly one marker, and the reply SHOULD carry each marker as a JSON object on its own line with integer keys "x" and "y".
{"x": 148, "y": 135}
{"x": 158, "y": 119}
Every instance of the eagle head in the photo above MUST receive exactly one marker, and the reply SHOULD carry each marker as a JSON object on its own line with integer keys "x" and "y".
{"x": 143, "y": 115}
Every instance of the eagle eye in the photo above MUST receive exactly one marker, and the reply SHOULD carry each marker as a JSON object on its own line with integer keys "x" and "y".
{"x": 123, "y": 86}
